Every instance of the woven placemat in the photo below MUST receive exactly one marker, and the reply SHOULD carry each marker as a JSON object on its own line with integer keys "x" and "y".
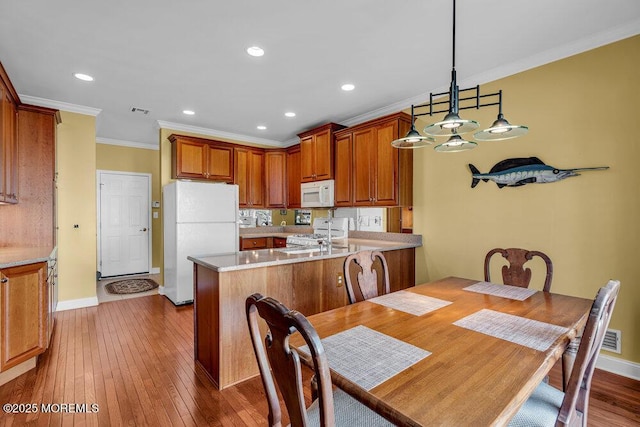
{"x": 410, "y": 302}
{"x": 130, "y": 286}
{"x": 527, "y": 332}
{"x": 504, "y": 291}
{"x": 367, "y": 357}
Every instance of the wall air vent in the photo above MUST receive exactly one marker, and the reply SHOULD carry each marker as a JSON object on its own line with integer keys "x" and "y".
{"x": 139, "y": 110}
{"x": 612, "y": 341}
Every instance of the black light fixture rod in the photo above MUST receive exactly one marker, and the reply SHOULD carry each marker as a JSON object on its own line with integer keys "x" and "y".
{"x": 453, "y": 90}
{"x": 453, "y": 60}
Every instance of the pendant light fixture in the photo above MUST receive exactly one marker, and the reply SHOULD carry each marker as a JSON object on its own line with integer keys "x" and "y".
{"x": 452, "y": 125}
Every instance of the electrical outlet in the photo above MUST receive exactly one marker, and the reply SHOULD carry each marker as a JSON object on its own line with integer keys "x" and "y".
{"x": 340, "y": 280}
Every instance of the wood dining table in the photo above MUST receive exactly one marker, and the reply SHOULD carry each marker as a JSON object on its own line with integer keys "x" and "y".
{"x": 472, "y": 359}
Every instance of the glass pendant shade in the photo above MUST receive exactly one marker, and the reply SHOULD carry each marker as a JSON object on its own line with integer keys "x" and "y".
{"x": 413, "y": 140}
{"x": 500, "y": 130}
{"x": 451, "y": 122}
{"x": 455, "y": 144}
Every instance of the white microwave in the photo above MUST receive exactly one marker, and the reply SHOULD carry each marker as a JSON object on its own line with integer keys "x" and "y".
{"x": 317, "y": 194}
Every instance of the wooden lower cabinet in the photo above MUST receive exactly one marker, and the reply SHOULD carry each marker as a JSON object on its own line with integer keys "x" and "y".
{"x": 222, "y": 344}
{"x": 248, "y": 244}
{"x": 254, "y": 243}
{"x": 24, "y": 298}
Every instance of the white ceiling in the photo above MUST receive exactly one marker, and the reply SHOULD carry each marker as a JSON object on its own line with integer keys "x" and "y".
{"x": 168, "y": 55}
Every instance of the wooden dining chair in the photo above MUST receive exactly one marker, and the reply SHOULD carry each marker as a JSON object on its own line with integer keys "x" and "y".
{"x": 548, "y": 406}
{"x": 515, "y": 274}
{"x": 366, "y": 279}
{"x": 274, "y": 354}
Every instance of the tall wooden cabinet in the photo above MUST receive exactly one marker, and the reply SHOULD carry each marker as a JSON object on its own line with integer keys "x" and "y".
{"x": 197, "y": 158}
{"x": 381, "y": 175}
{"x": 316, "y": 147}
{"x": 343, "y": 167}
{"x": 24, "y": 306}
{"x": 8, "y": 140}
{"x": 275, "y": 168}
{"x": 294, "y": 177}
{"x": 249, "y": 175}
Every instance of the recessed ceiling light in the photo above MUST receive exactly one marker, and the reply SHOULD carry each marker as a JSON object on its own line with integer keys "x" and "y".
{"x": 188, "y": 112}
{"x": 83, "y": 77}
{"x": 290, "y": 114}
{"x": 255, "y": 51}
{"x": 261, "y": 127}
{"x": 347, "y": 87}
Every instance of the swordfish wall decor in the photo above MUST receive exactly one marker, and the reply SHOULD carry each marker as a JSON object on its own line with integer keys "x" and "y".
{"x": 520, "y": 171}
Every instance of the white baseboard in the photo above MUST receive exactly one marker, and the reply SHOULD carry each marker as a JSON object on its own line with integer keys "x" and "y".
{"x": 622, "y": 367}
{"x": 16, "y": 371}
{"x": 161, "y": 290}
{"x": 155, "y": 270}
{"x": 77, "y": 303}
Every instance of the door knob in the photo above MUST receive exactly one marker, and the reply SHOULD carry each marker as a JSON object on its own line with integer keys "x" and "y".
{"x": 144, "y": 229}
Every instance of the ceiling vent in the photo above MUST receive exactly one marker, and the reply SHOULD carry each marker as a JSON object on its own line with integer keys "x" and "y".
{"x": 139, "y": 110}
{"x": 612, "y": 341}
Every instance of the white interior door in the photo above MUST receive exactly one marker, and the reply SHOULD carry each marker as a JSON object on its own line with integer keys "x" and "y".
{"x": 124, "y": 230}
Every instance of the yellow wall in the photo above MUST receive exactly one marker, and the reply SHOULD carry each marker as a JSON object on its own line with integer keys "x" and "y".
{"x": 578, "y": 111}
{"x": 76, "y": 204}
{"x": 138, "y": 160}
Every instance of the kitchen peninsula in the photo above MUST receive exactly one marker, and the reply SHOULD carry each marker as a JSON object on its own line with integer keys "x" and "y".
{"x": 308, "y": 281}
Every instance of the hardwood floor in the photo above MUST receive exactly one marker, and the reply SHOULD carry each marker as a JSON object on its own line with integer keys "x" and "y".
{"x": 134, "y": 359}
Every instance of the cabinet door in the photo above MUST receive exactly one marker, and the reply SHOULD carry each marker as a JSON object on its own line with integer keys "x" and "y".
{"x": 323, "y": 156}
{"x": 23, "y": 304}
{"x": 219, "y": 163}
{"x": 294, "y": 177}
{"x": 249, "y": 175}
{"x": 275, "y": 173}
{"x": 363, "y": 166}
{"x": 307, "y": 158}
{"x": 9, "y": 148}
{"x": 241, "y": 175}
{"x": 256, "y": 178}
{"x": 343, "y": 149}
{"x": 386, "y": 165}
{"x": 190, "y": 159}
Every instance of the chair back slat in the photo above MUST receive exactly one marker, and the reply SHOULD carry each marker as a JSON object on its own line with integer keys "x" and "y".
{"x": 275, "y": 356}
{"x": 365, "y": 285}
{"x": 576, "y": 400}
{"x": 515, "y": 274}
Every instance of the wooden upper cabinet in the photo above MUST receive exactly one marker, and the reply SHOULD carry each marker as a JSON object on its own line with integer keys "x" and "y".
{"x": 381, "y": 175}
{"x": 249, "y": 175}
{"x": 37, "y": 176}
{"x": 363, "y": 172}
{"x": 197, "y": 158}
{"x": 294, "y": 177}
{"x": 343, "y": 167}
{"x": 275, "y": 168}
{"x": 8, "y": 140}
{"x": 316, "y": 151}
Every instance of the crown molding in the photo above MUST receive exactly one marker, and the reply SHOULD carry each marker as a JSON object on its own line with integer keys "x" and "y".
{"x": 59, "y": 105}
{"x": 219, "y": 134}
{"x": 131, "y": 144}
{"x": 579, "y": 46}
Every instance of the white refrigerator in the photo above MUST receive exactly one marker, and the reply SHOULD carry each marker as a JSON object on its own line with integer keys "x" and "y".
{"x": 199, "y": 218}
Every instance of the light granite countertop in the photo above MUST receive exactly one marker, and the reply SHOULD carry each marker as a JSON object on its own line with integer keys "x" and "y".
{"x": 14, "y": 256}
{"x": 280, "y": 256}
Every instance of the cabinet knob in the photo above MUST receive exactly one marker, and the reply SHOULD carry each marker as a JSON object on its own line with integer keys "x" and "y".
{"x": 4, "y": 280}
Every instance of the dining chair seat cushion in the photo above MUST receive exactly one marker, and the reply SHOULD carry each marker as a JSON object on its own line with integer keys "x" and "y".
{"x": 541, "y": 409}
{"x": 348, "y": 412}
